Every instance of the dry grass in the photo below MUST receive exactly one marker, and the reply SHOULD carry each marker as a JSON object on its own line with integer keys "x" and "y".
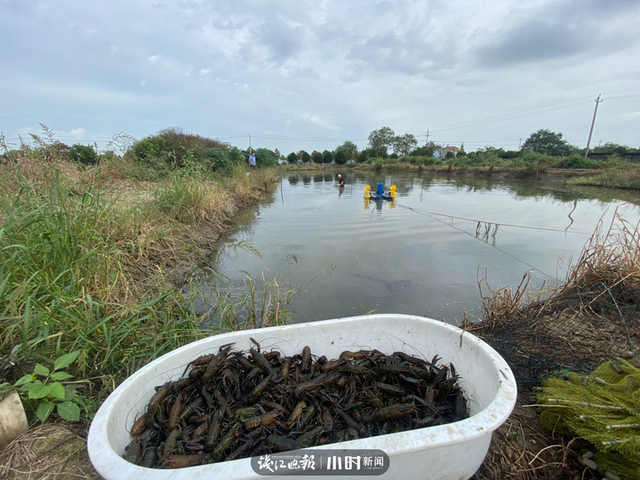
{"x": 46, "y": 452}
{"x": 521, "y": 450}
{"x": 499, "y": 305}
{"x": 612, "y": 258}
{"x": 592, "y": 318}
{"x": 610, "y": 261}
{"x": 37, "y": 171}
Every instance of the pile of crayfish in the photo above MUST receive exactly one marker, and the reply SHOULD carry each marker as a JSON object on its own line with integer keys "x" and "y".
{"x": 233, "y": 405}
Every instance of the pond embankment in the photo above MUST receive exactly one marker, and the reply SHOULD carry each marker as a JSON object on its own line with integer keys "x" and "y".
{"x": 592, "y": 318}
{"x": 93, "y": 261}
{"x": 626, "y": 176}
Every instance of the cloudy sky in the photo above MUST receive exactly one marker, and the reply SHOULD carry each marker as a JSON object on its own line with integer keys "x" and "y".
{"x": 310, "y": 74}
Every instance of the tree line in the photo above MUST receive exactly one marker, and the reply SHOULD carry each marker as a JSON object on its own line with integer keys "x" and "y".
{"x": 172, "y": 148}
{"x": 384, "y": 140}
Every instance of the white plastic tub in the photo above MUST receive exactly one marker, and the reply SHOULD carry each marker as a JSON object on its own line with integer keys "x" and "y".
{"x": 453, "y": 451}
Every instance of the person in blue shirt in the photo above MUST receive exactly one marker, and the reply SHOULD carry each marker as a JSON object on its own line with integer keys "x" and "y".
{"x": 252, "y": 160}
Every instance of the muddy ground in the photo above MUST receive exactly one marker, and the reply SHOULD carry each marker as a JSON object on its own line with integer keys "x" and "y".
{"x": 577, "y": 331}
{"x": 565, "y": 335}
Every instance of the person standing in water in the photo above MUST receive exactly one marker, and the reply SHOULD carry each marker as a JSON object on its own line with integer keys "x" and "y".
{"x": 340, "y": 182}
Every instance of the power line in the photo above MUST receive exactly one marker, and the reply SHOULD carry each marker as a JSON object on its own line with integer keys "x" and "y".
{"x": 492, "y": 119}
{"x": 622, "y": 91}
{"x": 505, "y": 117}
{"x": 306, "y": 139}
{"x": 623, "y": 96}
{"x": 435, "y": 217}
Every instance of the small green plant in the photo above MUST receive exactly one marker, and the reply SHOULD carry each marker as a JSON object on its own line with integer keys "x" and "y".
{"x": 45, "y": 392}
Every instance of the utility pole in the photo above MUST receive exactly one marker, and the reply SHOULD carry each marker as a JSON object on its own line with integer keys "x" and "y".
{"x": 428, "y": 135}
{"x": 593, "y": 122}
{"x": 519, "y": 143}
{"x": 250, "y": 149}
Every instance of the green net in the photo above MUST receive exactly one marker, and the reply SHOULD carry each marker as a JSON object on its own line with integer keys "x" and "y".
{"x": 603, "y": 408}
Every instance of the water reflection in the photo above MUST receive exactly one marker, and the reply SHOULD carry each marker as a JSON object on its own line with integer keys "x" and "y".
{"x": 487, "y": 232}
{"x": 379, "y": 204}
{"x": 421, "y": 253}
{"x": 575, "y": 205}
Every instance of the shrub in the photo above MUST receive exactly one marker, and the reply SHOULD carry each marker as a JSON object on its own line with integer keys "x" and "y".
{"x": 534, "y": 158}
{"x": 149, "y": 151}
{"x": 292, "y": 158}
{"x": 341, "y": 157}
{"x": 427, "y": 160}
{"x": 173, "y": 148}
{"x": 235, "y": 155}
{"x": 266, "y": 158}
{"x": 578, "y": 161}
{"x": 219, "y": 159}
{"x": 363, "y": 157}
{"x": 84, "y": 154}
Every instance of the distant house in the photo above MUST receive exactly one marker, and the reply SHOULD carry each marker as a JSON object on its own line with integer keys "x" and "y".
{"x": 449, "y": 148}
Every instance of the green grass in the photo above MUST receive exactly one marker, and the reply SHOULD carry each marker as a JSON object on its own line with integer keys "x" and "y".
{"x": 65, "y": 286}
{"x": 182, "y": 198}
{"x": 527, "y": 160}
{"x": 625, "y": 178}
{"x": 85, "y": 266}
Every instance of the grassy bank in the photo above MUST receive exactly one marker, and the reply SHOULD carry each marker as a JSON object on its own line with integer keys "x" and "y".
{"x": 612, "y": 172}
{"x": 627, "y": 178}
{"x": 92, "y": 260}
{"x": 592, "y": 318}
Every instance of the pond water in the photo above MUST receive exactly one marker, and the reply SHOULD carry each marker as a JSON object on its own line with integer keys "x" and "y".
{"x": 422, "y": 254}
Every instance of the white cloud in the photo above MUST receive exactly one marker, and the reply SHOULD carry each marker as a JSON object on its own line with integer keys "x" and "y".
{"x": 73, "y": 135}
{"x": 323, "y": 122}
{"x": 78, "y": 132}
{"x": 85, "y": 93}
{"x": 399, "y": 65}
